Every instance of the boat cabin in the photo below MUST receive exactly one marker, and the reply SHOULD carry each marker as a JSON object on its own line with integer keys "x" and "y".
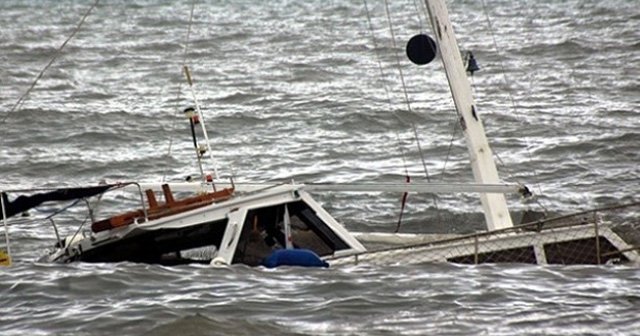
{"x": 244, "y": 229}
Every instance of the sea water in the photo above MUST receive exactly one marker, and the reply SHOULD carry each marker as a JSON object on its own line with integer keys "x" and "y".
{"x": 293, "y": 90}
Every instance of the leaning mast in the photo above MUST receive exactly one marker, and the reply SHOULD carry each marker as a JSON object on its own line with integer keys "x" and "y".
{"x": 484, "y": 168}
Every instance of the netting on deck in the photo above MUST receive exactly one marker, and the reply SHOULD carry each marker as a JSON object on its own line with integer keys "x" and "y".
{"x": 601, "y": 236}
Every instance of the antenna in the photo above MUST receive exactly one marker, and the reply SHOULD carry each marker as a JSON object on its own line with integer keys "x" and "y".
{"x": 190, "y": 113}
{"x": 5, "y": 256}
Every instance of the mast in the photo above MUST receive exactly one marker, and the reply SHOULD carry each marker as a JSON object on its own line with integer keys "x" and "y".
{"x": 484, "y": 169}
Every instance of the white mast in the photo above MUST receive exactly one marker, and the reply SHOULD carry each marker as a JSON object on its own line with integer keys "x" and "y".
{"x": 484, "y": 169}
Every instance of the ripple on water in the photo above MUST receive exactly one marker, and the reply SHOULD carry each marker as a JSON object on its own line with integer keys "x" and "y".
{"x": 294, "y": 91}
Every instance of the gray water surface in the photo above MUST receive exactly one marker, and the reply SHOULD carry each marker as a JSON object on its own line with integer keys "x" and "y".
{"x": 293, "y": 90}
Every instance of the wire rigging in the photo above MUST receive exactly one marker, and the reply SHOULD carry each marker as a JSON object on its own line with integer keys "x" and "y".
{"x": 449, "y": 148}
{"x": 388, "y": 95}
{"x": 404, "y": 87}
{"x": 179, "y": 88}
{"x": 380, "y": 67}
{"x": 23, "y": 98}
{"x": 508, "y": 90}
{"x": 415, "y": 4}
{"x": 421, "y": 7}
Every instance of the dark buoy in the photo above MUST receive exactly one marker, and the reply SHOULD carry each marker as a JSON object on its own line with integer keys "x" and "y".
{"x": 421, "y": 49}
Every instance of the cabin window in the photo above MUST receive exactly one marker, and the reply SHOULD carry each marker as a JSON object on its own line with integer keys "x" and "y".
{"x": 193, "y": 244}
{"x": 263, "y": 233}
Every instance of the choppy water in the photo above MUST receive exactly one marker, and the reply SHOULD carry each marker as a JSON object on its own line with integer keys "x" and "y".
{"x": 293, "y": 90}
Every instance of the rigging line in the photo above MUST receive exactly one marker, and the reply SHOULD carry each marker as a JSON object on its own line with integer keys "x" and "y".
{"x": 406, "y": 96}
{"x": 375, "y": 49}
{"x": 402, "y": 121}
{"x": 508, "y": 87}
{"x": 378, "y": 58}
{"x": 179, "y": 89}
{"x": 55, "y": 56}
{"x": 385, "y": 87}
{"x": 415, "y": 4}
{"x": 404, "y": 161}
{"x": 495, "y": 153}
{"x": 405, "y": 195}
{"x": 423, "y": 8}
{"x": 404, "y": 87}
{"x": 453, "y": 137}
{"x": 505, "y": 167}
{"x": 58, "y": 210}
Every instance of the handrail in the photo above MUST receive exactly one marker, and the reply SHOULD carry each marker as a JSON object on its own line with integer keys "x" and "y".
{"x": 537, "y": 226}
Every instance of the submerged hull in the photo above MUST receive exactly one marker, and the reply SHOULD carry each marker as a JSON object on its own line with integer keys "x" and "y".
{"x": 582, "y": 238}
{"x": 245, "y": 229}
{"x": 225, "y": 234}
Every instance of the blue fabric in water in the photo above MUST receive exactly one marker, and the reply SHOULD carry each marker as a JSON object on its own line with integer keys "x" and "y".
{"x": 294, "y": 257}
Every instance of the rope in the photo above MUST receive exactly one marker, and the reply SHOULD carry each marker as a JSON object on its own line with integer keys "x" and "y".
{"x": 179, "y": 90}
{"x": 22, "y": 98}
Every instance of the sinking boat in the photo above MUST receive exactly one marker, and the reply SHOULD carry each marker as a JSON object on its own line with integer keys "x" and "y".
{"x": 283, "y": 225}
{"x": 217, "y": 227}
{"x": 225, "y": 227}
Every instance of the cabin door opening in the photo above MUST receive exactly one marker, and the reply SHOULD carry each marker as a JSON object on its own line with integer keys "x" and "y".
{"x": 264, "y": 232}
